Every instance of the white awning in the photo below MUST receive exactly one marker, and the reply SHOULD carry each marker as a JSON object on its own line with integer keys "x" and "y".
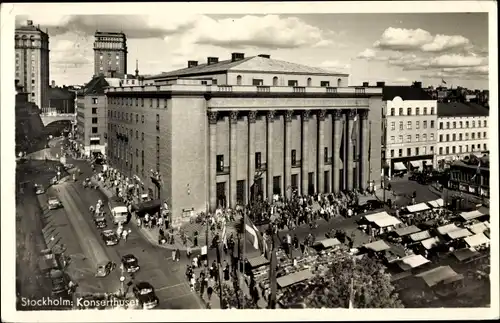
{"x": 434, "y": 276}
{"x": 462, "y": 233}
{"x": 375, "y": 216}
{"x": 431, "y": 243}
{"x": 436, "y": 203}
{"x": 447, "y": 228}
{"x": 417, "y": 207}
{"x": 428, "y": 162}
{"x": 412, "y": 261}
{"x": 416, "y": 163}
{"x": 95, "y": 138}
{"x": 471, "y": 215}
{"x": 328, "y": 243}
{"x": 420, "y": 236}
{"x": 379, "y": 245}
{"x": 477, "y": 240}
{"x": 479, "y": 227}
{"x": 407, "y": 230}
{"x": 386, "y": 221}
{"x": 399, "y": 166}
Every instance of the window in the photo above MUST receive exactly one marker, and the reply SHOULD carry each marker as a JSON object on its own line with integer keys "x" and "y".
{"x": 484, "y": 135}
{"x": 157, "y": 122}
{"x": 325, "y": 157}
{"x": 447, "y": 125}
{"x": 484, "y": 146}
{"x": 400, "y": 152}
{"x": 447, "y": 149}
{"x": 440, "y": 150}
{"x": 417, "y": 137}
{"x": 339, "y": 82}
{"x": 294, "y": 157}
{"x": 257, "y": 82}
{"x": 393, "y": 125}
{"x": 424, "y": 137}
{"x": 454, "y": 125}
{"x": 94, "y": 100}
{"x": 275, "y": 81}
{"x": 393, "y": 139}
{"x": 94, "y": 129}
{"x": 401, "y": 125}
{"x": 459, "y": 149}
{"x": 258, "y": 160}
{"x": 392, "y": 153}
{"x": 142, "y": 118}
{"x": 408, "y": 138}
{"x": 453, "y": 137}
{"x": 432, "y": 110}
{"x": 425, "y": 110}
{"x": 94, "y": 120}
{"x": 416, "y": 151}
{"x": 473, "y": 135}
{"x": 32, "y": 81}
{"x": 453, "y": 150}
{"x": 460, "y": 136}
{"x": 393, "y": 112}
{"x": 417, "y": 111}
{"x": 424, "y": 124}
{"x": 466, "y": 124}
{"x": 466, "y": 148}
{"x": 408, "y": 125}
{"x": 157, "y": 103}
{"x": 136, "y": 118}
{"x": 94, "y": 110}
{"x": 220, "y": 163}
{"x": 473, "y": 124}
{"x": 485, "y": 123}
{"x": 408, "y": 111}
{"x": 408, "y": 151}
{"x": 432, "y": 137}
{"x": 400, "y": 138}
{"x": 137, "y": 135}
{"x": 424, "y": 150}
{"x": 466, "y": 136}
{"x": 142, "y": 102}
{"x": 432, "y": 148}
{"x": 472, "y": 147}
{"x": 292, "y": 83}
{"x": 400, "y": 111}
{"x": 142, "y": 136}
{"x": 440, "y": 125}
{"x": 238, "y": 80}
{"x": 440, "y": 138}
{"x": 142, "y": 157}
{"x": 325, "y": 83}
{"x": 432, "y": 124}
{"x": 447, "y": 137}
{"x": 417, "y": 124}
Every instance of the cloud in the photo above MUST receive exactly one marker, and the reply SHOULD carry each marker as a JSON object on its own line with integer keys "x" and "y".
{"x": 66, "y": 53}
{"x": 335, "y": 66}
{"x": 367, "y": 54}
{"x": 444, "y": 42}
{"x": 467, "y": 73}
{"x": 403, "y": 39}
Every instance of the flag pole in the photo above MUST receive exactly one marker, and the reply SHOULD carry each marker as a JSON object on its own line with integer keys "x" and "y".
{"x": 244, "y": 252}
{"x": 272, "y": 278}
{"x": 219, "y": 274}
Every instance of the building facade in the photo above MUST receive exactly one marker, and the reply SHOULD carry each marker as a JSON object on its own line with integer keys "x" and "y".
{"x": 410, "y": 128}
{"x": 470, "y": 177}
{"x": 110, "y": 54}
{"x": 29, "y": 125}
{"x": 462, "y": 130}
{"x": 222, "y": 133}
{"x": 32, "y": 63}
{"x": 91, "y": 121}
{"x": 62, "y": 99}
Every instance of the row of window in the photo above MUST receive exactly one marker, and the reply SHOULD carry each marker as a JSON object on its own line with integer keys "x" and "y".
{"x": 410, "y": 150}
{"x": 136, "y": 101}
{"x": 468, "y": 177}
{"x": 118, "y": 129}
{"x": 460, "y": 136}
{"x": 409, "y": 138}
{"x": 409, "y": 125}
{"x": 461, "y": 149}
{"x": 260, "y": 82}
{"x": 129, "y": 117}
{"x": 461, "y": 124}
{"x": 409, "y": 111}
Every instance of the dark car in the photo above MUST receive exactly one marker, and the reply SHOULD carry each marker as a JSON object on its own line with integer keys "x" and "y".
{"x": 146, "y": 296}
{"x": 109, "y": 237}
{"x": 100, "y": 222}
{"x": 374, "y": 204}
{"x": 130, "y": 263}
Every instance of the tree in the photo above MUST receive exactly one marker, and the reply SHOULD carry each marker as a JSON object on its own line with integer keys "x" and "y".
{"x": 235, "y": 299}
{"x": 331, "y": 288}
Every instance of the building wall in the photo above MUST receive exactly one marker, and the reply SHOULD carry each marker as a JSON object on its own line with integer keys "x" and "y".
{"x": 283, "y": 78}
{"x": 86, "y": 122}
{"x": 449, "y": 136}
{"x": 110, "y": 53}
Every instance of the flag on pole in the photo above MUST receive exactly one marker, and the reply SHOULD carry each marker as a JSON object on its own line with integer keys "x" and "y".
{"x": 253, "y": 231}
{"x": 478, "y": 170}
{"x": 224, "y": 235}
{"x": 354, "y": 133}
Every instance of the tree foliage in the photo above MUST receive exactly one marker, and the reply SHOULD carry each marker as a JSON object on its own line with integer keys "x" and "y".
{"x": 236, "y": 299}
{"x": 331, "y": 289}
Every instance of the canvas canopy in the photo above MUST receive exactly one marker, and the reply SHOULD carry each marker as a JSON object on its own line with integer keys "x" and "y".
{"x": 477, "y": 240}
{"x": 440, "y": 274}
{"x": 431, "y": 242}
{"x": 120, "y": 209}
{"x": 258, "y": 261}
{"x": 420, "y": 236}
{"x": 459, "y": 234}
{"x": 479, "y": 227}
{"x": 407, "y": 230}
{"x": 447, "y": 228}
{"x": 465, "y": 253}
{"x": 376, "y": 246}
{"x": 386, "y": 221}
{"x": 373, "y": 217}
{"x": 416, "y": 163}
{"x": 471, "y": 215}
{"x": 412, "y": 261}
{"x": 436, "y": 203}
{"x": 428, "y": 162}
{"x": 417, "y": 207}
{"x": 399, "y": 166}
{"x": 328, "y": 243}
{"x": 294, "y": 278}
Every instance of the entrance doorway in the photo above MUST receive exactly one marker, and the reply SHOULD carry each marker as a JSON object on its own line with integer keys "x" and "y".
{"x": 221, "y": 195}
{"x": 259, "y": 189}
{"x": 295, "y": 181}
{"x": 240, "y": 192}
{"x": 326, "y": 181}
{"x": 310, "y": 182}
{"x": 277, "y": 185}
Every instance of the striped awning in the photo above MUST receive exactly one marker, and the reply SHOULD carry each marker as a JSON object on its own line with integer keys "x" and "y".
{"x": 399, "y": 166}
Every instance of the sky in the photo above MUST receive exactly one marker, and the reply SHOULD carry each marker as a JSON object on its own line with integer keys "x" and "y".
{"x": 371, "y": 47}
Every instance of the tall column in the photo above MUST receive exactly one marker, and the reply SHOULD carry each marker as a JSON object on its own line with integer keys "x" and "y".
{"x": 350, "y": 150}
{"x": 365, "y": 170}
{"x": 337, "y": 142}
{"x": 233, "y": 155}
{"x": 305, "y": 152}
{"x": 269, "y": 157}
{"x": 288, "y": 154}
{"x": 252, "y": 116}
{"x": 321, "y": 152}
{"x": 212, "y": 123}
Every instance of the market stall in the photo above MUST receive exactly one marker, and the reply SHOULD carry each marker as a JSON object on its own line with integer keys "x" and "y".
{"x": 472, "y": 215}
{"x": 417, "y": 207}
{"x": 466, "y": 254}
{"x": 431, "y": 243}
{"x": 412, "y": 261}
{"x": 294, "y": 278}
{"x": 388, "y": 221}
{"x": 442, "y": 274}
{"x": 445, "y": 229}
{"x": 377, "y": 246}
{"x": 373, "y": 217}
{"x": 462, "y": 233}
{"x": 326, "y": 244}
{"x": 404, "y": 231}
{"x": 479, "y": 227}
{"x": 419, "y": 236}
{"x": 477, "y": 240}
{"x": 436, "y": 203}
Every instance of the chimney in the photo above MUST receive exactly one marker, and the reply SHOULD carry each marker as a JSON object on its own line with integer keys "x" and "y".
{"x": 29, "y": 23}
{"x": 192, "y": 64}
{"x": 53, "y": 83}
{"x": 417, "y": 84}
{"x": 237, "y": 57}
{"x": 366, "y": 84}
{"x": 212, "y": 60}
{"x": 264, "y": 55}
{"x": 380, "y": 84}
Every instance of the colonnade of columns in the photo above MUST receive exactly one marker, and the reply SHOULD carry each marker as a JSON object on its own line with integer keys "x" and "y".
{"x": 339, "y": 130}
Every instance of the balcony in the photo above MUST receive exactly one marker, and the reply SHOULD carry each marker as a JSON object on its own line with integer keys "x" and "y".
{"x": 223, "y": 171}
{"x": 331, "y": 90}
{"x": 299, "y": 89}
{"x": 296, "y": 164}
{"x": 263, "y": 89}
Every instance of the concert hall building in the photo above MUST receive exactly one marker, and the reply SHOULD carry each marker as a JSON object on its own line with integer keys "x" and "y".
{"x": 222, "y": 132}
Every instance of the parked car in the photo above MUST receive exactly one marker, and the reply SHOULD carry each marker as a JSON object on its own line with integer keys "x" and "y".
{"x": 39, "y": 189}
{"x": 104, "y": 268}
{"x": 54, "y": 203}
{"x": 130, "y": 263}
{"x": 109, "y": 237}
{"x": 374, "y": 204}
{"x": 146, "y": 296}
{"x": 100, "y": 222}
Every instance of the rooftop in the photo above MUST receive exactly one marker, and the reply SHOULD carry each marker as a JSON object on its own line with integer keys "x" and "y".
{"x": 455, "y": 109}
{"x": 98, "y": 85}
{"x": 249, "y": 64}
{"x": 407, "y": 93}
{"x": 58, "y": 93}
{"x": 30, "y": 27}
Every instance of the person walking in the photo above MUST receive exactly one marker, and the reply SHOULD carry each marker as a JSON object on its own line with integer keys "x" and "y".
{"x": 188, "y": 252}
{"x": 177, "y": 255}
{"x": 210, "y": 289}
{"x": 173, "y": 255}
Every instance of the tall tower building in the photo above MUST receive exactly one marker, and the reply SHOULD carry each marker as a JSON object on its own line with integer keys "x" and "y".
{"x": 32, "y": 63}
{"x": 110, "y": 54}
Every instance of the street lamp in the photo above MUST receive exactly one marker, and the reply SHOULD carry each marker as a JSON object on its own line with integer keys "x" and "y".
{"x": 122, "y": 281}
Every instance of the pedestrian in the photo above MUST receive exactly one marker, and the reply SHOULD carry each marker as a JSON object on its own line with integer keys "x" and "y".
{"x": 173, "y": 255}
{"x": 177, "y": 254}
{"x": 125, "y": 234}
{"x": 202, "y": 287}
{"x": 188, "y": 252}
{"x": 195, "y": 262}
{"x": 209, "y": 292}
